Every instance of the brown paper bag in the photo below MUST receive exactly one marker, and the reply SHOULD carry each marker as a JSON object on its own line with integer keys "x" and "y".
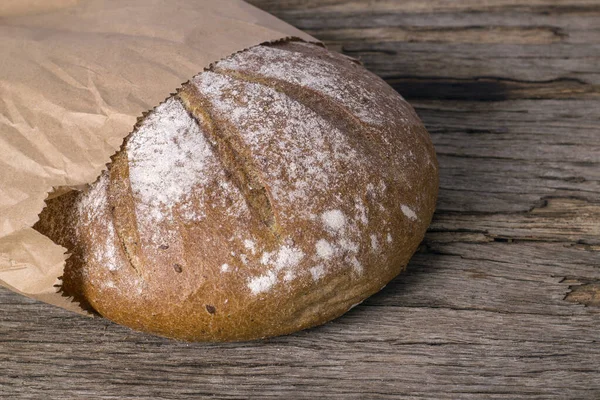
{"x": 74, "y": 77}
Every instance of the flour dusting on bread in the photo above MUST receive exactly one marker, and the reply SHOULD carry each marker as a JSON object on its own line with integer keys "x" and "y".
{"x": 168, "y": 157}
{"x": 322, "y": 74}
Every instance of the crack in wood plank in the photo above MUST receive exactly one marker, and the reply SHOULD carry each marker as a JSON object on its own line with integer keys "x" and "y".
{"x": 491, "y": 88}
{"x": 583, "y": 291}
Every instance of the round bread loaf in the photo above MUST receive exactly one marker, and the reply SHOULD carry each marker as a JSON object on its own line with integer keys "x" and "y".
{"x": 275, "y": 191}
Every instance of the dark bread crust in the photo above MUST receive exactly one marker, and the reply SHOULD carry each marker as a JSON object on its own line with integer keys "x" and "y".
{"x": 315, "y": 190}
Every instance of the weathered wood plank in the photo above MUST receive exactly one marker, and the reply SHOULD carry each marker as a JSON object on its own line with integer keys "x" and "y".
{"x": 506, "y": 277}
{"x": 465, "y": 353}
{"x": 289, "y": 8}
{"x": 404, "y": 24}
{"x": 501, "y": 301}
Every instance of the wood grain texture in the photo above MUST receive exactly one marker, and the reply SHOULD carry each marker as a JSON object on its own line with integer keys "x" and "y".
{"x": 502, "y": 299}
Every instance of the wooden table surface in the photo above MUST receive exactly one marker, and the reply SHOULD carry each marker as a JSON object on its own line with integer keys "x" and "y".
{"x": 503, "y": 299}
